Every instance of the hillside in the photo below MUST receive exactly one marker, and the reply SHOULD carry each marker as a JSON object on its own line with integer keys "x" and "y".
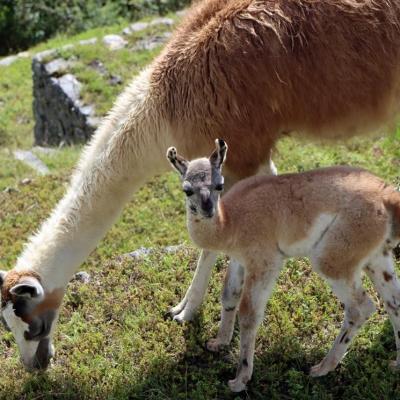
{"x": 112, "y": 340}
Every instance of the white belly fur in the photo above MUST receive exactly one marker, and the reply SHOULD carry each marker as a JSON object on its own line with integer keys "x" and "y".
{"x": 304, "y": 247}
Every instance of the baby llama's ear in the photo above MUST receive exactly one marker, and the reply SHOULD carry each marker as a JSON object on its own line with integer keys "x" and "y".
{"x": 217, "y": 158}
{"x": 177, "y": 161}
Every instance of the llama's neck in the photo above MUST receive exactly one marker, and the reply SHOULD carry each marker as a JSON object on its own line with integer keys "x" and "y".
{"x": 112, "y": 167}
{"x": 209, "y": 233}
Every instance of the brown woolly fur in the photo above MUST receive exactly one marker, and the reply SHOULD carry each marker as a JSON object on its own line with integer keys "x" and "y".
{"x": 253, "y": 70}
{"x": 12, "y": 278}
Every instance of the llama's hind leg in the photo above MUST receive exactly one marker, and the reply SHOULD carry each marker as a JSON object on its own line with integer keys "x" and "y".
{"x": 230, "y": 299}
{"x": 381, "y": 272}
{"x": 358, "y": 307}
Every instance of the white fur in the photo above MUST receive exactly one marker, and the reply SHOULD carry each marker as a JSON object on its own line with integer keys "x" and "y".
{"x": 18, "y": 327}
{"x": 194, "y": 296}
{"x": 305, "y": 247}
{"x": 113, "y": 165}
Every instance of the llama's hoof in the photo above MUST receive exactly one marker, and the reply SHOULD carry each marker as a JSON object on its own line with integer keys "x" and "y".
{"x": 236, "y": 385}
{"x": 215, "y": 345}
{"x": 320, "y": 369}
{"x": 394, "y": 365}
{"x": 184, "y": 315}
{"x": 177, "y": 309}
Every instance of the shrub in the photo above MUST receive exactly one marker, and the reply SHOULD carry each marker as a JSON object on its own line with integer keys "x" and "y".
{"x": 24, "y": 23}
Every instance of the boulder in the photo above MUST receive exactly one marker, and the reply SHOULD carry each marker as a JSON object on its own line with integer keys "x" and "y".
{"x": 60, "y": 115}
{"x": 114, "y": 42}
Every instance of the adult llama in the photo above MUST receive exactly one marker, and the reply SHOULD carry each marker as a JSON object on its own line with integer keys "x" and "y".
{"x": 247, "y": 71}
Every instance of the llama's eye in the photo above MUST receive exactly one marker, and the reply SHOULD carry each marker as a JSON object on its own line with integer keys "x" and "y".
{"x": 188, "y": 191}
{"x": 219, "y": 187}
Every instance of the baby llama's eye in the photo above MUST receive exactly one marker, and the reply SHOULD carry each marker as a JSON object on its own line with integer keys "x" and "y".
{"x": 219, "y": 187}
{"x": 188, "y": 191}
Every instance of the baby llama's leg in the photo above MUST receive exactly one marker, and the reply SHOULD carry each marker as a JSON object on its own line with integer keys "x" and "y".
{"x": 382, "y": 274}
{"x": 233, "y": 287}
{"x": 258, "y": 285}
{"x": 358, "y": 307}
{"x": 230, "y": 299}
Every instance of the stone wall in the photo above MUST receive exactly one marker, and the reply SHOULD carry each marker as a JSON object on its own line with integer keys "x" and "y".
{"x": 60, "y": 117}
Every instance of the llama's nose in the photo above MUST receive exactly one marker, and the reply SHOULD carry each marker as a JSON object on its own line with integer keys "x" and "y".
{"x": 206, "y": 203}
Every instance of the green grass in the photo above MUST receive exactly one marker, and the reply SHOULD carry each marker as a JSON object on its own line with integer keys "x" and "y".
{"x": 112, "y": 340}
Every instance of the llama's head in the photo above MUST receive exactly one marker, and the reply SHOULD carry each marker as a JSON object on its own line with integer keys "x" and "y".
{"x": 29, "y": 312}
{"x": 202, "y": 181}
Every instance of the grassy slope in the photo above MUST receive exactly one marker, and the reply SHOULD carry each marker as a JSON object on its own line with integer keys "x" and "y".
{"x": 112, "y": 340}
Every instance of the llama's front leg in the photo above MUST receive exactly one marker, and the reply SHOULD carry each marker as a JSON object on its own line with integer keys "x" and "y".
{"x": 230, "y": 298}
{"x": 194, "y": 296}
{"x": 358, "y": 307}
{"x": 256, "y": 291}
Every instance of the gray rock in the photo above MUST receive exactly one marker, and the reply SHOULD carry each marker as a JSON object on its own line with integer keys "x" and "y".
{"x": 139, "y": 253}
{"x": 44, "y": 150}
{"x": 26, "y": 181}
{"x": 23, "y": 54}
{"x": 115, "y": 80}
{"x": 60, "y": 116}
{"x": 151, "y": 42}
{"x": 87, "y": 109}
{"x": 45, "y": 54}
{"x": 114, "y": 42}
{"x": 58, "y": 66}
{"x": 86, "y": 42}
{"x": 174, "y": 249}
{"x": 67, "y": 47}
{"x": 162, "y": 21}
{"x": 98, "y": 66}
{"x": 136, "y": 27}
{"x": 4, "y": 62}
{"x": 70, "y": 86}
{"x": 82, "y": 277}
{"x": 32, "y": 161}
{"x": 10, "y": 190}
{"x": 142, "y": 252}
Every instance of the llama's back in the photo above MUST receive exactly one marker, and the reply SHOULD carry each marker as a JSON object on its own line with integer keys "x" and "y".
{"x": 253, "y": 70}
{"x": 290, "y": 204}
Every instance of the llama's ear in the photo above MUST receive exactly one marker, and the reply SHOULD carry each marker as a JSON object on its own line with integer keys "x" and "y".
{"x": 217, "y": 158}
{"x": 177, "y": 161}
{"x": 28, "y": 287}
{"x": 2, "y": 277}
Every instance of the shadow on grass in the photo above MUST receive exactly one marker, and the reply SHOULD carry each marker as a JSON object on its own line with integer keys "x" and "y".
{"x": 281, "y": 372}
